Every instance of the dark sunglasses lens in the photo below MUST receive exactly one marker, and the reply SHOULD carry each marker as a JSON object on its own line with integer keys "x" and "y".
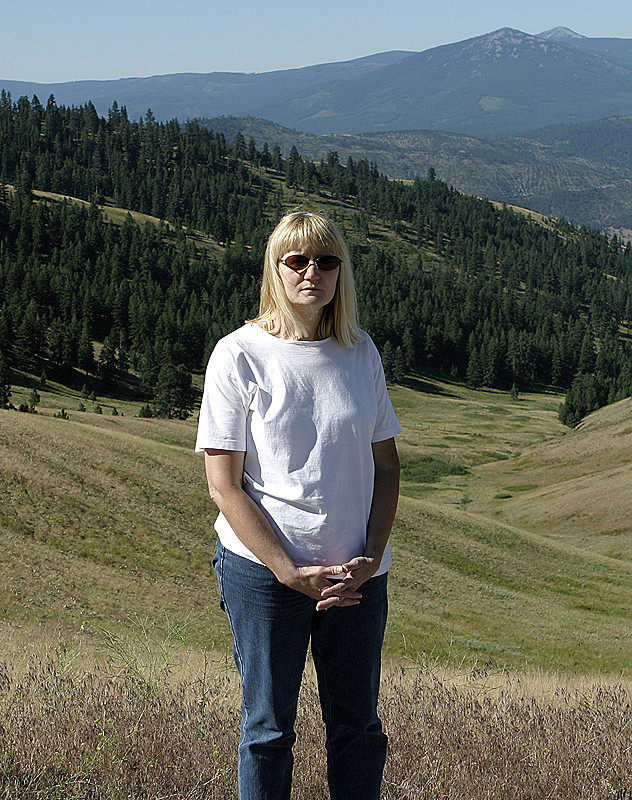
{"x": 328, "y": 263}
{"x": 325, "y": 263}
{"x": 296, "y": 262}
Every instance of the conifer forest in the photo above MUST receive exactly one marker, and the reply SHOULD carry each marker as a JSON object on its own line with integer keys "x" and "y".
{"x": 446, "y": 282}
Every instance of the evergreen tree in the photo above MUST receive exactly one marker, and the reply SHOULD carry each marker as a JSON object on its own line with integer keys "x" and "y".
{"x": 173, "y": 394}
{"x": 85, "y": 353}
{"x": 399, "y": 365}
{"x": 587, "y": 353}
{"x": 30, "y": 337}
{"x": 388, "y": 361}
{"x": 34, "y": 400}
{"x": 474, "y": 373}
{"x": 6, "y": 331}
{"x": 108, "y": 357}
{"x": 581, "y": 399}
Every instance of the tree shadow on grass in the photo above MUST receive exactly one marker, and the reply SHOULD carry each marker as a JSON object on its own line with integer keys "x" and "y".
{"x": 417, "y": 384}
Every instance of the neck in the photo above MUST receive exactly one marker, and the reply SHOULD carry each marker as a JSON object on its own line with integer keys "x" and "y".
{"x": 310, "y": 325}
{"x": 312, "y": 332}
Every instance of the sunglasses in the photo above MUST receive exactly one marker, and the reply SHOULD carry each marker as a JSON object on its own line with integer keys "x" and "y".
{"x": 298, "y": 263}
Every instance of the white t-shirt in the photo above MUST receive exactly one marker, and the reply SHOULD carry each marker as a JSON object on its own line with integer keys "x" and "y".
{"x": 306, "y": 414}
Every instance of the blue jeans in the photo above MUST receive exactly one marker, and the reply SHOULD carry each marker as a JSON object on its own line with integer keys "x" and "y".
{"x": 272, "y": 626}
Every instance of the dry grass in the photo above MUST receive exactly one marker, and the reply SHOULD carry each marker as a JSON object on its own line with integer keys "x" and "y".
{"x": 469, "y": 742}
{"x": 72, "y": 734}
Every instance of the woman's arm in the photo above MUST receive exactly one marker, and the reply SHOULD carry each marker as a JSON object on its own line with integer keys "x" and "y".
{"x": 224, "y": 472}
{"x": 385, "y": 497}
{"x": 382, "y": 514}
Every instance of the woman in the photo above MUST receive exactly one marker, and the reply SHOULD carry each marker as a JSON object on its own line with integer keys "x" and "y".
{"x": 298, "y": 429}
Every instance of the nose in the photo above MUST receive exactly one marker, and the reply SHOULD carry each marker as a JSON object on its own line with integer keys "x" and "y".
{"x": 308, "y": 265}
{"x": 310, "y": 271}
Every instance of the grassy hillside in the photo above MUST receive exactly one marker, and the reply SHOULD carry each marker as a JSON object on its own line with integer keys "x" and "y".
{"x": 575, "y": 489}
{"x": 106, "y": 521}
{"x": 104, "y": 517}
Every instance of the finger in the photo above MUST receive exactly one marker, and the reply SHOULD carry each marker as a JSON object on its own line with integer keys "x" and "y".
{"x": 340, "y": 590}
{"x": 336, "y": 572}
{"x": 336, "y": 602}
{"x": 355, "y": 563}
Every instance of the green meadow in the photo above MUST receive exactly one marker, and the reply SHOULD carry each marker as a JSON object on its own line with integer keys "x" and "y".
{"x": 107, "y": 531}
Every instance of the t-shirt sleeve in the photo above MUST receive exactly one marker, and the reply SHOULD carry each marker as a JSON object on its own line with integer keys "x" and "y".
{"x": 222, "y": 420}
{"x": 386, "y": 424}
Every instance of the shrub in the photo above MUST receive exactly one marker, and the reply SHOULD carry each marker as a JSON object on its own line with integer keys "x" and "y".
{"x": 428, "y": 469}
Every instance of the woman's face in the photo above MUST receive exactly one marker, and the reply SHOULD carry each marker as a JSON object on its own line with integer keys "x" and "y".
{"x": 311, "y": 288}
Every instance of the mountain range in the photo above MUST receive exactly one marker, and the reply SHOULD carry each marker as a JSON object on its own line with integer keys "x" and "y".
{"x": 502, "y": 83}
{"x": 505, "y": 82}
{"x": 542, "y": 121}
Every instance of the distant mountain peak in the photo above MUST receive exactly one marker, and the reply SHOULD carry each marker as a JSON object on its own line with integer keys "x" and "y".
{"x": 503, "y": 34}
{"x": 502, "y": 43}
{"x": 560, "y": 34}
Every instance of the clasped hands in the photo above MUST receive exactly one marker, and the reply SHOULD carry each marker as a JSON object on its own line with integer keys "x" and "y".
{"x": 335, "y": 586}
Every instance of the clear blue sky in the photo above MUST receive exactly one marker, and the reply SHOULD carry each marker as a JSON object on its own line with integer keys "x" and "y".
{"x": 50, "y": 41}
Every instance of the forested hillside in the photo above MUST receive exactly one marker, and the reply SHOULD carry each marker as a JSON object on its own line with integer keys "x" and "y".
{"x": 446, "y": 281}
{"x": 579, "y": 172}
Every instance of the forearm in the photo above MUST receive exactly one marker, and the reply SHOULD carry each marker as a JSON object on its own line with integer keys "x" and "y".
{"x": 224, "y": 470}
{"x": 384, "y": 502}
{"x": 383, "y": 508}
{"x": 253, "y": 529}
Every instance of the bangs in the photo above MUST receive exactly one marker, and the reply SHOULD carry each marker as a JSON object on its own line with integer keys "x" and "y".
{"x": 304, "y": 231}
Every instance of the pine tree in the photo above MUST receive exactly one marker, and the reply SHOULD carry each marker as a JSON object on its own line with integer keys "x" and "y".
{"x": 474, "y": 374}
{"x": 85, "y": 353}
{"x": 173, "y": 394}
{"x": 581, "y": 399}
{"x": 587, "y": 353}
{"x": 388, "y": 360}
{"x": 399, "y": 365}
{"x": 6, "y": 331}
{"x": 34, "y": 400}
{"x": 108, "y": 357}
{"x": 30, "y": 338}
{"x": 276, "y": 160}
{"x": 56, "y": 337}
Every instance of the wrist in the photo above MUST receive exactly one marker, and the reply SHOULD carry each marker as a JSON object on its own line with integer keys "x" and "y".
{"x": 286, "y": 573}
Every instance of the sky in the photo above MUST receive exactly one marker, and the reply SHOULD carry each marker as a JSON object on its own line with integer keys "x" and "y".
{"x": 52, "y": 41}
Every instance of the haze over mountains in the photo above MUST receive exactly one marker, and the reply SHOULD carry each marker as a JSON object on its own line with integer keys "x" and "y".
{"x": 502, "y": 83}
{"x": 493, "y": 85}
{"x": 409, "y": 111}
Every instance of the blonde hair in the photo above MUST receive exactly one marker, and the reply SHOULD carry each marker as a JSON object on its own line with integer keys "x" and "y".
{"x": 276, "y": 314}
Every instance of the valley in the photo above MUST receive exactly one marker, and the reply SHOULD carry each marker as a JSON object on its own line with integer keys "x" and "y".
{"x": 106, "y": 523}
